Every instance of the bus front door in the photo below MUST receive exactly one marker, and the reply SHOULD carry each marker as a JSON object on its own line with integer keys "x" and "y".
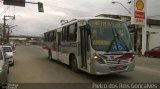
{"x": 83, "y": 47}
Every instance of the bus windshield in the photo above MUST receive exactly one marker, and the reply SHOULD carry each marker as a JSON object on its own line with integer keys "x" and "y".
{"x": 109, "y": 35}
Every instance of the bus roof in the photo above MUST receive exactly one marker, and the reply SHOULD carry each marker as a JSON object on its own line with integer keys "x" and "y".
{"x": 88, "y": 18}
{"x": 84, "y": 18}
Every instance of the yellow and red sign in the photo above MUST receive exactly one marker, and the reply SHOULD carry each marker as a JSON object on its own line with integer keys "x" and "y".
{"x": 139, "y": 5}
{"x": 138, "y": 12}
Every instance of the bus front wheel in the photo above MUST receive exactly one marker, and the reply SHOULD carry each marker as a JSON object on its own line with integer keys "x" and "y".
{"x": 74, "y": 64}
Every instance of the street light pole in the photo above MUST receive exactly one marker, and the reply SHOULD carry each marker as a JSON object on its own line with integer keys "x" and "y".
{"x": 135, "y": 26}
{"x": 122, "y": 6}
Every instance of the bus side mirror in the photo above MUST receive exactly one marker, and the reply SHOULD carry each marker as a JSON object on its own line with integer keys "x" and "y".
{"x": 87, "y": 27}
{"x": 88, "y": 31}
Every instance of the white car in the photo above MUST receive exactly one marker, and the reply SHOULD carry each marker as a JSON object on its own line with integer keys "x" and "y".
{"x": 4, "y": 67}
{"x": 9, "y": 51}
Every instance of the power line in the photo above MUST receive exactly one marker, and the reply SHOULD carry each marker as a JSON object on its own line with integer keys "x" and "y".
{"x": 1, "y": 5}
{"x": 13, "y": 21}
{"x": 4, "y": 10}
{"x": 14, "y": 10}
{"x": 11, "y": 10}
{"x": 101, "y": 10}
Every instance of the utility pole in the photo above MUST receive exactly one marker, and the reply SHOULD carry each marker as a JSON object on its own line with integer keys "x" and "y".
{"x": 4, "y": 27}
{"x": 8, "y": 33}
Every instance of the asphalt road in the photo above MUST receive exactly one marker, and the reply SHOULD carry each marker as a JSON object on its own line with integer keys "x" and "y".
{"x": 32, "y": 66}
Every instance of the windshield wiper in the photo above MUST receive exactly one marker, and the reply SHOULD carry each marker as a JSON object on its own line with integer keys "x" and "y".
{"x": 121, "y": 39}
{"x": 118, "y": 40}
{"x": 114, "y": 40}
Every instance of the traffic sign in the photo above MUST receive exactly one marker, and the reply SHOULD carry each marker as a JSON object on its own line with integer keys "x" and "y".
{"x": 40, "y": 7}
{"x": 14, "y": 2}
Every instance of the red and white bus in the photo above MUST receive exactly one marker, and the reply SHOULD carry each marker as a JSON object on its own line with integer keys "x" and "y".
{"x": 95, "y": 45}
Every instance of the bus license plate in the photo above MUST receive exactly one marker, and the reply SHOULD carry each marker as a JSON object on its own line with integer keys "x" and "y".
{"x": 119, "y": 67}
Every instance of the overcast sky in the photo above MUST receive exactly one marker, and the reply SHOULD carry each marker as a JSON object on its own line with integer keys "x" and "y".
{"x": 32, "y": 22}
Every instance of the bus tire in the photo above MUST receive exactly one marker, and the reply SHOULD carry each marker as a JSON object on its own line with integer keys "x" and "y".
{"x": 49, "y": 54}
{"x": 74, "y": 66}
{"x": 12, "y": 64}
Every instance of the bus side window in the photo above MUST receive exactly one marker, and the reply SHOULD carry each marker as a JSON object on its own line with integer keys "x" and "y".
{"x": 72, "y": 34}
{"x": 44, "y": 39}
{"x": 53, "y": 37}
{"x": 47, "y": 37}
{"x": 64, "y": 34}
{"x": 59, "y": 38}
{"x": 50, "y": 36}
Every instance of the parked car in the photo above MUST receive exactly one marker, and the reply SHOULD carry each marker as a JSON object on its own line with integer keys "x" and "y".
{"x": 155, "y": 52}
{"x": 9, "y": 51}
{"x": 4, "y": 66}
{"x": 14, "y": 48}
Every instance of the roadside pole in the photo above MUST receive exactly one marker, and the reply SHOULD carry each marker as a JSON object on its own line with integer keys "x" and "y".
{"x": 139, "y": 17}
{"x": 144, "y": 36}
{"x": 4, "y": 28}
{"x": 144, "y": 31}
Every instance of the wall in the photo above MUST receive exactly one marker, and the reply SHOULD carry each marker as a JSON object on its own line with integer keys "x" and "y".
{"x": 154, "y": 36}
{"x": 1, "y": 30}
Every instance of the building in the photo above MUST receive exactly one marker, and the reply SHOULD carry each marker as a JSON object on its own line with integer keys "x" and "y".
{"x": 153, "y": 31}
{"x": 1, "y": 31}
{"x": 21, "y": 39}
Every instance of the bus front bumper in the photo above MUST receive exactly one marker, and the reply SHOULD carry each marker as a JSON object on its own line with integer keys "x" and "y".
{"x": 102, "y": 69}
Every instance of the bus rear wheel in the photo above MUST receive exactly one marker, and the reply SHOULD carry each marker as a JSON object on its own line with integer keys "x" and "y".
{"x": 74, "y": 66}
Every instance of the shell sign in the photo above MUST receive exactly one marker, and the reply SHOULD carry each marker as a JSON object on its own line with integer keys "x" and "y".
{"x": 139, "y": 5}
{"x": 138, "y": 12}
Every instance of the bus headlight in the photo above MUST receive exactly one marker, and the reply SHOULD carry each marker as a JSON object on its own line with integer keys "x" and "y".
{"x": 131, "y": 59}
{"x": 98, "y": 59}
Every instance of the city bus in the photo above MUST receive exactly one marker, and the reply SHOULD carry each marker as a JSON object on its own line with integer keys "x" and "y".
{"x": 95, "y": 45}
